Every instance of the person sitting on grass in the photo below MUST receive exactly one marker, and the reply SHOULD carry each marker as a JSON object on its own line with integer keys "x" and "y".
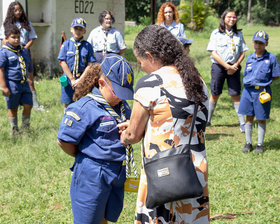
{"x": 261, "y": 69}
{"x": 15, "y": 66}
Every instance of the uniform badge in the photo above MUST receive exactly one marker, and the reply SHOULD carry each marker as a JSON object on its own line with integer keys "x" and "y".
{"x": 129, "y": 77}
{"x": 68, "y": 122}
{"x": 73, "y": 114}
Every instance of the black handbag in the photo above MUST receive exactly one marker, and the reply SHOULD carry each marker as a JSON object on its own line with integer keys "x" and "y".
{"x": 171, "y": 175}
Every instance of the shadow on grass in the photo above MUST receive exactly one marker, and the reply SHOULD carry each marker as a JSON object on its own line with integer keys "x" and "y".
{"x": 273, "y": 144}
{"x": 215, "y": 136}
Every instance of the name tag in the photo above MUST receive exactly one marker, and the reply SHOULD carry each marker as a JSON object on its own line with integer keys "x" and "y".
{"x": 106, "y": 123}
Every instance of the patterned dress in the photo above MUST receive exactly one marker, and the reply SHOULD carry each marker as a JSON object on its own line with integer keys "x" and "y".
{"x": 163, "y": 94}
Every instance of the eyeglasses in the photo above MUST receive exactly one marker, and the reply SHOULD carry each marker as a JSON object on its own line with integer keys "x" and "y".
{"x": 232, "y": 17}
{"x": 108, "y": 19}
{"x": 18, "y": 10}
{"x": 112, "y": 91}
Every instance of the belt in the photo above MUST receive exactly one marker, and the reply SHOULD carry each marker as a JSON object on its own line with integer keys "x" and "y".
{"x": 257, "y": 87}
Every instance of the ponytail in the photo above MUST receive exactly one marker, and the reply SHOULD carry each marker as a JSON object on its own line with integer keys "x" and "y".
{"x": 88, "y": 80}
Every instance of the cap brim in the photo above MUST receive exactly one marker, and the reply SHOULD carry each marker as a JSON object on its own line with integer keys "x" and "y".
{"x": 79, "y": 26}
{"x": 123, "y": 93}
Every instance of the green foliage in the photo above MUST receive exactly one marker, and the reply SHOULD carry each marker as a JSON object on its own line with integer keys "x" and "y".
{"x": 135, "y": 10}
{"x": 200, "y": 12}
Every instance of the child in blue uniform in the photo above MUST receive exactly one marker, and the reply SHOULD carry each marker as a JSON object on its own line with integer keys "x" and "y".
{"x": 15, "y": 65}
{"x": 227, "y": 47}
{"x": 75, "y": 54}
{"x": 89, "y": 132}
{"x": 186, "y": 43}
{"x": 261, "y": 69}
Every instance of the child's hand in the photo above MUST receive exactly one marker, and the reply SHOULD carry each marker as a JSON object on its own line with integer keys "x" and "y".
{"x": 123, "y": 126}
{"x": 74, "y": 82}
{"x": 6, "y": 91}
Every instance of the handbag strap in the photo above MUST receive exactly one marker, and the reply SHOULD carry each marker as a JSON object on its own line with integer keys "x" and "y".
{"x": 193, "y": 122}
{"x": 191, "y": 133}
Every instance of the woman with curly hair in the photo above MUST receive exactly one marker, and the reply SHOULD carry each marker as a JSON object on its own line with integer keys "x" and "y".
{"x": 164, "y": 102}
{"x": 168, "y": 17}
{"x": 16, "y": 16}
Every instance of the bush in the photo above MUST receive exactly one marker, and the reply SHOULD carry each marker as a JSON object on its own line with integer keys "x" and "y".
{"x": 200, "y": 13}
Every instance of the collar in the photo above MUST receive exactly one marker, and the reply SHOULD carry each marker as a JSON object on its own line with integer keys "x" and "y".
{"x": 19, "y": 47}
{"x": 77, "y": 41}
{"x": 105, "y": 30}
{"x": 265, "y": 54}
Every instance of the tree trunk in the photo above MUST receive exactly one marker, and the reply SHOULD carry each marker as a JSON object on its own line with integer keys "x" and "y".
{"x": 249, "y": 11}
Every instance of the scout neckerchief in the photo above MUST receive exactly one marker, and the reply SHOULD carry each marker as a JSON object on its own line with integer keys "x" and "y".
{"x": 104, "y": 51}
{"x": 76, "y": 60}
{"x": 230, "y": 34}
{"x": 21, "y": 62}
{"x": 129, "y": 150}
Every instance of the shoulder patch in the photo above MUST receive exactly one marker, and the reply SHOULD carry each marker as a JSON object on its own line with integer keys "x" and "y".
{"x": 73, "y": 114}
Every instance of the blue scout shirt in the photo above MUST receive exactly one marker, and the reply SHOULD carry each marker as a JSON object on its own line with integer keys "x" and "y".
{"x": 177, "y": 29}
{"x": 25, "y": 35}
{"x": 259, "y": 71}
{"x": 67, "y": 54}
{"x": 115, "y": 42}
{"x": 10, "y": 62}
{"x": 86, "y": 123}
{"x": 222, "y": 44}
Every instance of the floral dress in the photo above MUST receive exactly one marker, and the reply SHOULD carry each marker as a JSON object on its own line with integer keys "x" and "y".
{"x": 163, "y": 94}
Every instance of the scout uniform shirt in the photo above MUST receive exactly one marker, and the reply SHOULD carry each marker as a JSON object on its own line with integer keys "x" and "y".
{"x": 9, "y": 60}
{"x": 177, "y": 29}
{"x": 25, "y": 35}
{"x": 259, "y": 71}
{"x": 228, "y": 46}
{"x": 112, "y": 39}
{"x": 67, "y": 54}
{"x": 87, "y": 123}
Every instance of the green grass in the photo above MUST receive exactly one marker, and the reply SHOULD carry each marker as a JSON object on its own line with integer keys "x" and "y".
{"x": 35, "y": 179}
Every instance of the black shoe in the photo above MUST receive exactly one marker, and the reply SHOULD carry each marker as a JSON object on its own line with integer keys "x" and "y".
{"x": 208, "y": 124}
{"x": 259, "y": 149}
{"x": 15, "y": 131}
{"x": 247, "y": 148}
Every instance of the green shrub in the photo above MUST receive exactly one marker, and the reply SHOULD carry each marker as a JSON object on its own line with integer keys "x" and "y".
{"x": 200, "y": 13}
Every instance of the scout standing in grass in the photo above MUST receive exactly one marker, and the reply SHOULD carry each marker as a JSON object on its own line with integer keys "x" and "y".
{"x": 75, "y": 54}
{"x": 261, "y": 69}
{"x": 227, "y": 47}
{"x": 88, "y": 131}
{"x": 16, "y": 16}
{"x": 15, "y": 65}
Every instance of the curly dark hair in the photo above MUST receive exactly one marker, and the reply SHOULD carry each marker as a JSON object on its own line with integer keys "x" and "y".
{"x": 160, "y": 16}
{"x": 13, "y": 29}
{"x": 103, "y": 14}
{"x": 163, "y": 46}
{"x": 222, "y": 26}
{"x": 10, "y": 18}
{"x": 88, "y": 80}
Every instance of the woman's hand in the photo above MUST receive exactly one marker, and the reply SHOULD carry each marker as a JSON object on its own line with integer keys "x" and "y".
{"x": 123, "y": 126}
{"x": 6, "y": 92}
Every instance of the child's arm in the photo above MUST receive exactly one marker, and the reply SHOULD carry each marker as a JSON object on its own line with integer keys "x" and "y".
{"x": 4, "y": 88}
{"x": 69, "y": 148}
{"x": 29, "y": 44}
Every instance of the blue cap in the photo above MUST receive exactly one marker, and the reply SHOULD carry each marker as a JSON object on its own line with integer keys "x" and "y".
{"x": 118, "y": 70}
{"x": 79, "y": 22}
{"x": 185, "y": 41}
{"x": 261, "y": 36}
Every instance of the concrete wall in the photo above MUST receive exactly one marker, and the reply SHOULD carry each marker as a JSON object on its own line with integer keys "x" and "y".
{"x": 50, "y": 17}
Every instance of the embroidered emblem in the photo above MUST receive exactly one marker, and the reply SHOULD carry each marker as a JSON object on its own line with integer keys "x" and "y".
{"x": 74, "y": 115}
{"x": 129, "y": 77}
{"x": 106, "y": 123}
{"x": 69, "y": 123}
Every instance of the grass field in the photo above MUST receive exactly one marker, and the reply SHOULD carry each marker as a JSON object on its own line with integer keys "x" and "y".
{"x": 35, "y": 179}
